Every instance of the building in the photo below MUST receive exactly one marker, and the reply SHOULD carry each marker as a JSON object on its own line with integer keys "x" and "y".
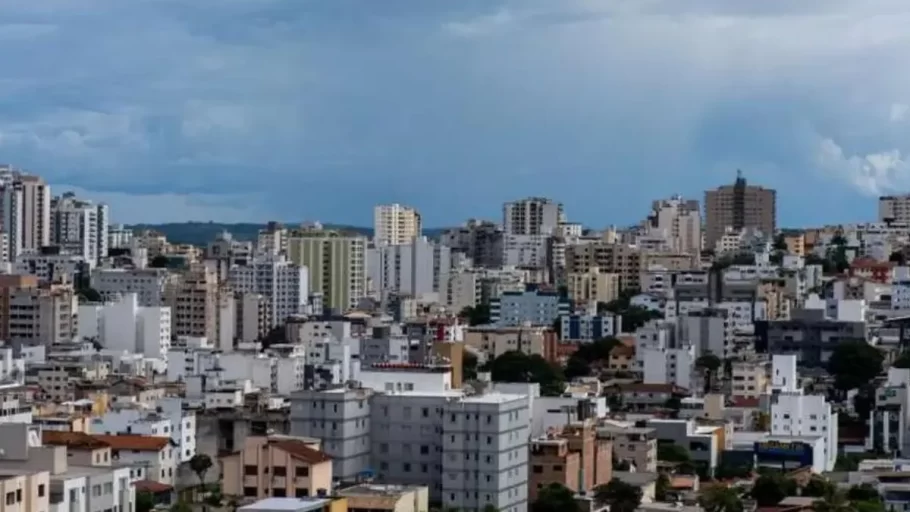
{"x": 313, "y": 504}
{"x": 397, "y": 498}
{"x": 810, "y": 334}
{"x": 889, "y": 419}
{"x": 589, "y": 328}
{"x": 751, "y": 378}
{"x": 493, "y": 341}
{"x": 894, "y": 209}
{"x": 593, "y": 286}
{"x": 25, "y": 205}
{"x": 33, "y": 313}
{"x": 254, "y": 316}
{"x": 532, "y": 306}
{"x": 739, "y": 206}
{"x": 573, "y": 456}
{"x": 480, "y": 240}
{"x": 80, "y": 227}
{"x": 201, "y": 307}
{"x": 285, "y": 285}
{"x": 336, "y": 265}
{"x": 415, "y": 268}
{"x": 612, "y": 258}
{"x": 636, "y": 445}
{"x": 705, "y": 443}
{"x": 678, "y": 222}
{"x": 148, "y": 283}
{"x": 126, "y": 326}
{"x": 532, "y": 216}
{"x": 276, "y": 467}
{"x": 668, "y": 365}
{"x": 52, "y": 266}
{"x": 395, "y": 224}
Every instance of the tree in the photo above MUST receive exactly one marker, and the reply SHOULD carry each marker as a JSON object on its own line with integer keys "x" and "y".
{"x": 555, "y": 498}
{"x": 834, "y": 501}
{"x": 89, "y": 295}
{"x": 477, "y": 315}
{"x": 864, "y": 400}
{"x": 181, "y": 506}
{"x": 200, "y": 464}
{"x": 709, "y": 364}
{"x": 588, "y": 355}
{"x": 674, "y": 404}
{"x": 620, "y": 496}
{"x": 863, "y": 492}
{"x": 720, "y": 498}
{"x": 662, "y": 487}
{"x": 853, "y": 364}
{"x": 490, "y": 508}
{"x": 160, "y": 261}
{"x": 769, "y": 489}
{"x": 672, "y": 452}
{"x": 145, "y": 501}
{"x": 899, "y": 258}
{"x": 902, "y": 361}
{"x": 515, "y": 366}
{"x": 469, "y": 365}
{"x": 726, "y": 470}
{"x": 818, "y": 487}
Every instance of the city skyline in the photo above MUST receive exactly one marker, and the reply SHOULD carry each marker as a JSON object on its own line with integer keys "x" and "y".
{"x": 169, "y": 111}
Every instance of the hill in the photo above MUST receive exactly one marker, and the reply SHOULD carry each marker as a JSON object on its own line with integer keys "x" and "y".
{"x": 201, "y": 233}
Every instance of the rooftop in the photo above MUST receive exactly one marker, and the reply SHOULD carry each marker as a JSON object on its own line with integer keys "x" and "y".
{"x": 287, "y": 504}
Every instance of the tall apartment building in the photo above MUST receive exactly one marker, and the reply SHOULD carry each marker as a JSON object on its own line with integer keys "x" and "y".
{"x": 480, "y": 240}
{"x": 395, "y": 224}
{"x": 894, "y": 209}
{"x": 254, "y": 316}
{"x": 336, "y": 264}
{"x": 80, "y": 227}
{"x": 470, "y": 450}
{"x": 148, "y": 283}
{"x": 125, "y": 326}
{"x": 739, "y": 206}
{"x": 25, "y": 209}
{"x": 284, "y": 284}
{"x": 201, "y": 307}
{"x": 37, "y": 314}
{"x": 532, "y": 216}
{"x": 119, "y": 236}
{"x": 592, "y": 286}
{"x": 415, "y": 268}
{"x": 613, "y": 258}
{"x": 678, "y": 221}
{"x": 272, "y": 240}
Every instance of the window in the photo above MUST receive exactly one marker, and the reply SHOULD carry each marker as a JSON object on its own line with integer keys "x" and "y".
{"x": 109, "y": 488}
{"x": 279, "y": 492}
{"x": 280, "y": 471}
{"x": 424, "y": 449}
{"x": 557, "y": 467}
{"x": 538, "y": 469}
{"x": 425, "y": 412}
{"x": 250, "y": 470}
{"x": 41, "y": 491}
{"x": 96, "y": 489}
{"x": 407, "y": 467}
{"x": 301, "y": 493}
{"x": 10, "y": 498}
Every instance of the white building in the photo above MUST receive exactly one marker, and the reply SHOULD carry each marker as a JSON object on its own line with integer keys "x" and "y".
{"x": 80, "y": 227}
{"x": 415, "y": 268}
{"x": 148, "y": 284}
{"x": 280, "y": 375}
{"x": 395, "y": 224}
{"x": 677, "y": 221}
{"x": 800, "y": 418}
{"x": 125, "y": 326}
{"x": 525, "y": 250}
{"x": 25, "y": 207}
{"x": 169, "y": 419}
{"x": 532, "y": 216}
{"x": 49, "y": 266}
{"x": 282, "y": 282}
{"x": 669, "y": 366}
{"x": 889, "y": 419}
{"x": 119, "y": 237}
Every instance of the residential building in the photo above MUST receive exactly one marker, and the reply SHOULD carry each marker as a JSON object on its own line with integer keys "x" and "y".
{"x": 494, "y": 341}
{"x": 390, "y": 497}
{"x": 254, "y": 316}
{"x": 705, "y": 443}
{"x": 168, "y": 420}
{"x": 157, "y": 456}
{"x": 24, "y": 490}
{"x": 678, "y": 222}
{"x": 284, "y": 284}
{"x": 395, "y": 224}
{"x": 607, "y": 257}
{"x": 593, "y": 286}
{"x": 148, "y": 283}
{"x": 125, "y": 326}
{"x": 312, "y": 504}
{"x": 30, "y": 313}
{"x": 532, "y": 306}
{"x": 532, "y": 216}
{"x": 751, "y": 378}
{"x": 201, "y": 306}
{"x": 80, "y": 227}
{"x": 669, "y": 365}
{"x": 889, "y": 419}
{"x": 572, "y": 456}
{"x": 25, "y": 202}
{"x": 739, "y": 206}
{"x": 415, "y": 268}
{"x": 480, "y": 240}
{"x": 894, "y": 209}
{"x": 588, "y": 328}
{"x": 336, "y": 264}
{"x": 636, "y": 445}
{"x": 276, "y": 467}
{"x": 51, "y": 265}
{"x": 272, "y": 240}
{"x": 119, "y": 237}
{"x": 810, "y": 334}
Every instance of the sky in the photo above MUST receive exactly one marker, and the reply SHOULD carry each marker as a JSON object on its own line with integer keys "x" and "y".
{"x": 250, "y": 110}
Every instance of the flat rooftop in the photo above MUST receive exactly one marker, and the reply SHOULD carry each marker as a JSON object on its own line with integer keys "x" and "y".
{"x": 377, "y": 489}
{"x": 287, "y": 504}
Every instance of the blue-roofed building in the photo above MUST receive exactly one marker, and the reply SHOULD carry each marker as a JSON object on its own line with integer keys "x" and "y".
{"x": 588, "y": 328}
{"x": 532, "y": 306}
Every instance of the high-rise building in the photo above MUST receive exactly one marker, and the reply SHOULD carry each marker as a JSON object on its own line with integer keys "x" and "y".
{"x": 395, "y": 224}
{"x": 414, "y": 269}
{"x": 201, "y": 307}
{"x": 80, "y": 227}
{"x": 894, "y": 209}
{"x": 336, "y": 264}
{"x": 480, "y": 240}
{"x": 532, "y": 216}
{"x": 678, "y": 221}
{"x": 283, "y": 283}
{"x": 33, "y": 313}
{"x": 739, "y": 206}
{"x": 25, "y": 211}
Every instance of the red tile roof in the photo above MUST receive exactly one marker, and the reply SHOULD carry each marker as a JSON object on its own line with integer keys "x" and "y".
{"x": 745, "y": 401}
{"x": 151, "y": 486}
{"x": 300, "y": 450}
{"x": 134, "y": 442}
{"x": 72, "y": 440}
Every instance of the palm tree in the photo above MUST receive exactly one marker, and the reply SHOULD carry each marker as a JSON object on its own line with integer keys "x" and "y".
{"x": 709, "y": 364}
{"x": 833, "y": 501}
{"x": 620, "y": 496}
{"x": 720, "y": 498}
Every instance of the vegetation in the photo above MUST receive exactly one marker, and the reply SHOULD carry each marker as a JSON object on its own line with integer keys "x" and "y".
{"x": 709, "y": 364}
{"x": 671, "y": 452}
{"x": 674, "y": 404}
{"x": 854, "y": 364}
{"x": 469, "y": 365}
{"x": 145, "y": 501}
{"x": 160, "y": 261}
{"x": 728, "y": 470}
{"x": 662, "y": 487}
{"x": 589, "y": 355}
{"x": 555, "y": 498}
{"x": 89, "y": 295}
{"x": 769, "y": 489}
{"x": 620, "y": 496}
{"x": 200, "y": 464}
{"x": 477, "y": 315}
{"x": 818, "y": 487}
{"x": 833, "y": 501}
{"x": 181, "y": 506}
{"x": 515, "y": 366}
{"x": 633, "y": 317}
{"x": 720, "y": 498}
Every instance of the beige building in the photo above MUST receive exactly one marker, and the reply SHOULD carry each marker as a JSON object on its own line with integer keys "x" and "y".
{"x": 392, "y": 498}
{"x": 395, "y": 224}
{"x": 751, "y": 378}
{"x": 24, "y": 490}
{"x": 796, "y": 244}
{"x": 739, "y": 206}
{"x": 592, "y": 286}
{"x": 201, "y": 307}
{"x": 635, "y": 445}
{"x": 495, "y": 341}
{"x": 895, "y": 209}
{"x": 276, "y": 467}
{"x": 678, "y": 221}
{"x": 336, "y": 264}
{"x": 614, "y": 258}
{"x": 152, "y": 241}
{"x": 37, "y": 313}
{"x": 254, "y": 316}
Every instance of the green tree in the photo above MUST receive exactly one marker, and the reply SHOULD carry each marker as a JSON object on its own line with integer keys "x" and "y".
{"x": 89, "y": 295}
{"x": 818, "y": 487}
{"x": 864, "y": 400}
{"x": 709, "y": 363}
{"x": 834, "y": 501}
{"x": 620, "y": 496}
{"x": 853, "y": 364}
{"x": 469, "y": 365}
{"x": 769, "y": 489}
{"x": 181, "y": 506}
{"x": 515, "y": 366}
{"x": 588, "y": 355}
{"x": 477, "y": 315}
{"x": 160, "y": 261}
{"x": 863, "y": 492}
{"x": 490, "y": 508}
{"x": 145, "y": 501}
{"x": 201, "y": 464}
{"x": 720, "y": 498}
{"x": 674, "y": 404}
{"x": 672, "y": 452}
{"x": 902, "y": 361}
{"x": 555, "y": 498}
{"x": 898, "y": 257}
{"x": 662, "y": 487}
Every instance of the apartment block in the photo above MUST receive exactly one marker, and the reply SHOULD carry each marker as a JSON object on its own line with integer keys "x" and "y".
{"x": 79, "y": 227}
{"x": 395, "y": 224}
{"x": 678, "y": 222}
{"x": 614, "y": 258}
{"x": 737, "y": 207}
{"x": 593, "y": 286}
{"x": 634, "y": 444}
{"x": 572, "y": 456}
{"x": 532, "y": 216}
{"x": 588, "y": 328}
{"x": 495, "y": 341}
{"x": 201, "y": 306}
{"x": 414, "y": 268}
{"x": 532, "y": 306}
{"x": 336, "y": 264}
{"x": 148, "y": 283}
{"x": 276, "y": 467}
{"x": 889, "y": 419}
{"x": 481, "y": 241}
{"x": 33, "y": 313}
{"x": 284, "y": 284}
{"x": 126, "y": 326}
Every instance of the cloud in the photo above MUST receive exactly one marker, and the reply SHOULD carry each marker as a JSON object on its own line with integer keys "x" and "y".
{"x": 300, "y": 110}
